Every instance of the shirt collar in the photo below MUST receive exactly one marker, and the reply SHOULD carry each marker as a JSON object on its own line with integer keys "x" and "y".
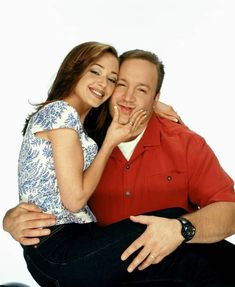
{"x": 150, "y": 138}
{"x": 152, "y": 134}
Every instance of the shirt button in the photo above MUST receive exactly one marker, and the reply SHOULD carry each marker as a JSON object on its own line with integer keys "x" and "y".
{"x": 169, "y": 177}
{"x": 128, "y": 193}
{"x": 127, "y": 166}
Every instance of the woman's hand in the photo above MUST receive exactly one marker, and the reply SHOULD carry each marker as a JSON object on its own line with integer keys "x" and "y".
{"x": 118, "y": 132}
{"x": 167, "y": 112}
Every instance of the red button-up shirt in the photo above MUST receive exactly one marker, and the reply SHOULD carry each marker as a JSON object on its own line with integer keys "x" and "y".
{"x": 171, "y": 167}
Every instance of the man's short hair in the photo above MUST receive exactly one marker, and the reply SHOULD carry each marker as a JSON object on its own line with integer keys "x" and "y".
{"x": 148, "y": 56}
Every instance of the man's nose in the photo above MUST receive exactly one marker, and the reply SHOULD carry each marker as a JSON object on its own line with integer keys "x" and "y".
{"x": 129, "y": 95}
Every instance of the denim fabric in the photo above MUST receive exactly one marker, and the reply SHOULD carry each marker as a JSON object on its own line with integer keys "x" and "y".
{"x": 86, "y": 255}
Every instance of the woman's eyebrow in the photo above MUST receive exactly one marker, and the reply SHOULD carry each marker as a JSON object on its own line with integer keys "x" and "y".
{"x": 103, "y": 68}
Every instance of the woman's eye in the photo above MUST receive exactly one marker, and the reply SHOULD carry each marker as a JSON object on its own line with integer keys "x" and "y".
{"x": 114, "y": 81}
{"x": 95, "y": 72}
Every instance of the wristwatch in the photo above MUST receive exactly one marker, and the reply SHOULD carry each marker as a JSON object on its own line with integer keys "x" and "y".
{"x": 188, "y": 230}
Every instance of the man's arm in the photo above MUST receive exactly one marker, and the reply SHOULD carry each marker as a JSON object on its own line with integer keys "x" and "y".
{"x": 162, "y": 236}
{"x": 26, "y": 223}
{"x": 213, "y": 222}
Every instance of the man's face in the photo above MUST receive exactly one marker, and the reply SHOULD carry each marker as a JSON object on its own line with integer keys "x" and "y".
{"x": 135, "y": 90}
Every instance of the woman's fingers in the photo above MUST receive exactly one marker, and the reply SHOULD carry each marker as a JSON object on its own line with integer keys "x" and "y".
{"x": 137, "y": 119}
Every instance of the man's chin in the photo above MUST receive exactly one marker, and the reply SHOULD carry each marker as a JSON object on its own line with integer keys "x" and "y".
{"x": 123, "y": 120}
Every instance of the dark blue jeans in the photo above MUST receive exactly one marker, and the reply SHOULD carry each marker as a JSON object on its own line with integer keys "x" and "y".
{"x": 86, "y": 255}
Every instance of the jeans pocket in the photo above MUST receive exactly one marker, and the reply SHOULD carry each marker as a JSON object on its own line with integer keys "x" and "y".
{"x": 39, "y": 276}
{"x": 54, "y": 229}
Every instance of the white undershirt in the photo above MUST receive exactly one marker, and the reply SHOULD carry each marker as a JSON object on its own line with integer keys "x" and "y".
{"x": 127, "y": 148}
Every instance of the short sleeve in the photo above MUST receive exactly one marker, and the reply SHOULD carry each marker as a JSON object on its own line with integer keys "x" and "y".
{"x": 56, "y": 115}
{"x": 208, "y": 182}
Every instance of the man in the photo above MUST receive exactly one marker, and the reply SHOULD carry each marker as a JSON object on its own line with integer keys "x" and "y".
{"x": 165, "y": 166}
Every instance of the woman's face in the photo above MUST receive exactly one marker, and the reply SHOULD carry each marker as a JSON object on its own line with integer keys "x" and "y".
{"x": 98, "y": 81}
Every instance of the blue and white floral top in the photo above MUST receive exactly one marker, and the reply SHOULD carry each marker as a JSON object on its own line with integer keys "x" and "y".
{"x": 36, "y": 171}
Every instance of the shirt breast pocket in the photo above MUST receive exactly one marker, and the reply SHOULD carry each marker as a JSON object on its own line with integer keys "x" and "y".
{"x": 167, "y": 189}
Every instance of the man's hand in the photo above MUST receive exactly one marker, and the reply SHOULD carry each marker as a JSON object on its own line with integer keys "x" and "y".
{"x": 167, "y": 112}
{"x": 26, "y": 223}
{"x": 161, "y": 237}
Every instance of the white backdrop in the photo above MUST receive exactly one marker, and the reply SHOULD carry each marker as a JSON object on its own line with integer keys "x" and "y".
{"x": 194, "y": 38}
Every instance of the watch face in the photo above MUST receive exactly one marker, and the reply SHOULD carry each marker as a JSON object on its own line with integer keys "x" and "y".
{"x": 188, "y": 230}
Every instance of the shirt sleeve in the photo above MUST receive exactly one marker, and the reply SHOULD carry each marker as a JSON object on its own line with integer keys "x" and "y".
{"x": 56, "y": 115}
{"x": 208, "y": 182}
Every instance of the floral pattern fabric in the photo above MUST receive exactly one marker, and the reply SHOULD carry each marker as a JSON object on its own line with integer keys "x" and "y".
{"x": 36, "y": 173}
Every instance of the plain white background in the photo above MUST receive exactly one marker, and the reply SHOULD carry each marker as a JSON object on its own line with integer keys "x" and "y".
{"x": 194, "y": 38}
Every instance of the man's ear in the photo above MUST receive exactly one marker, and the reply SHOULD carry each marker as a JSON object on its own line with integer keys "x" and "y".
{"x": 157, "y": 97}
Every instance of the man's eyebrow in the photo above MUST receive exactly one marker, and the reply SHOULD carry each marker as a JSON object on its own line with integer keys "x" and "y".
{"x": 103, "y": 68}
{"x": 138, "y": 84}
{"x": 120, "y": 79}
{"x": 145, "y": 85}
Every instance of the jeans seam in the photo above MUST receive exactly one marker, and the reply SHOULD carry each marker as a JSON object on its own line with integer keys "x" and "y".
{"x": 43, "y": 273}
{"x": 93, "y": 252}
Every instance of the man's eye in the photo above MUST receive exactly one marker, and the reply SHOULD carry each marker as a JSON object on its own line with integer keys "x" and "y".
{"x": 121, "y": 84}
{"x": 143, "y": 91}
